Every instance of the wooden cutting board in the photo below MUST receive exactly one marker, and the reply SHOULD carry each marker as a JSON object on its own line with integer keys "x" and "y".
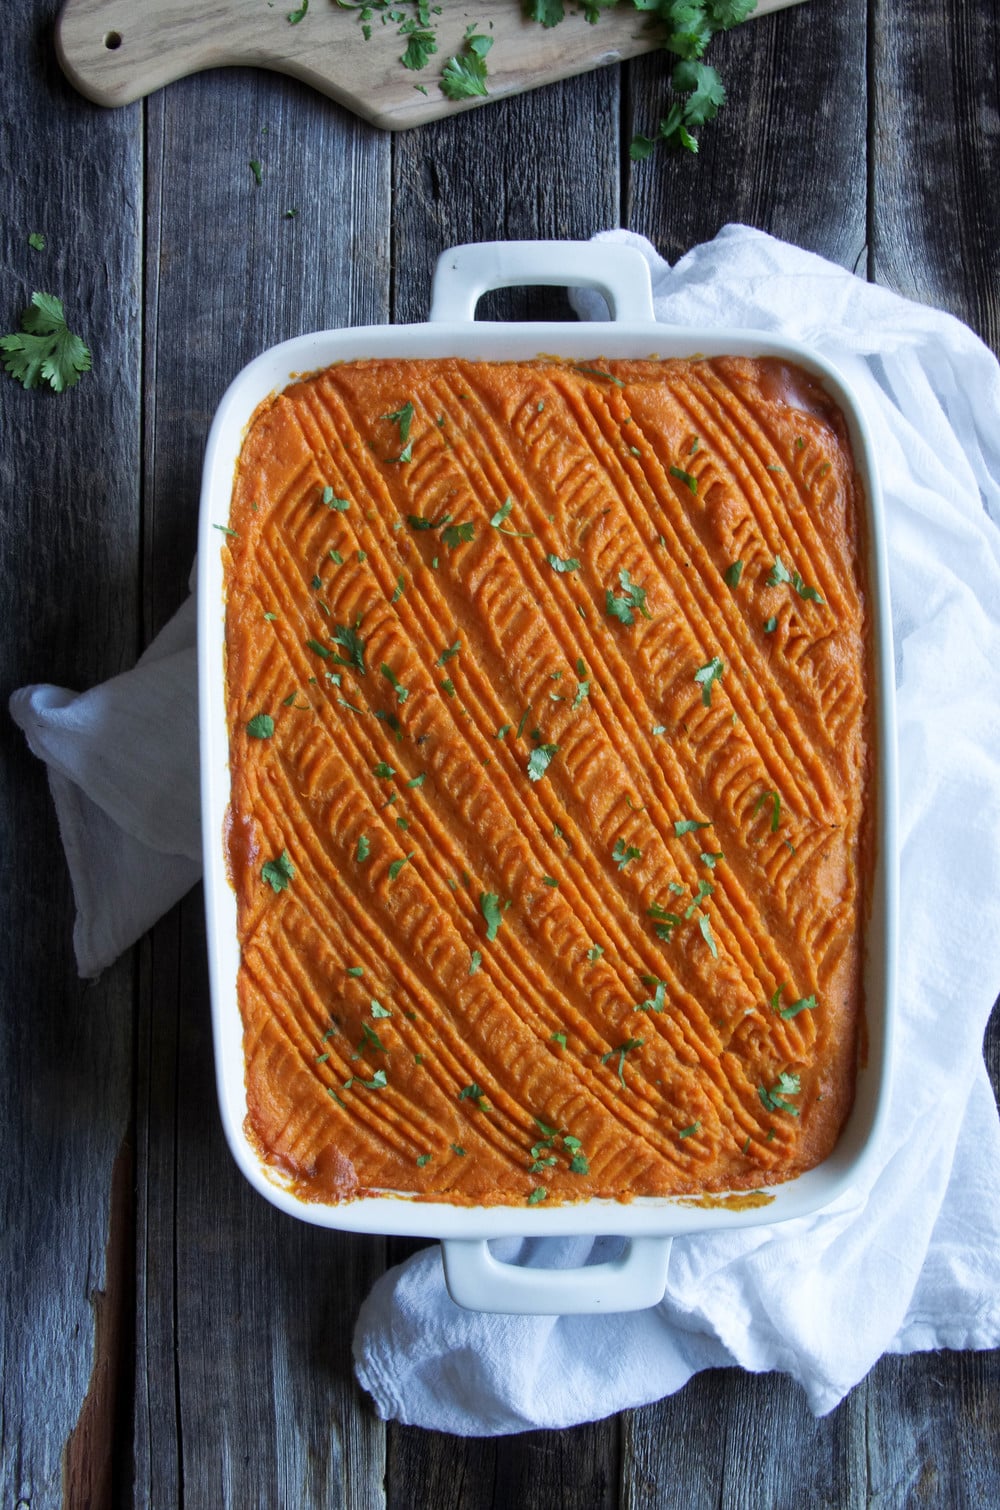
{"x": 116, "y": 51}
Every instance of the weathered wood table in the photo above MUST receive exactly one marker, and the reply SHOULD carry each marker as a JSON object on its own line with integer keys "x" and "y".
{"x": 169, "y": 1339}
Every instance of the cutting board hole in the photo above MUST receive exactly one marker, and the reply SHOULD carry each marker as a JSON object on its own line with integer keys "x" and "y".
{"x": 113, "y": 41}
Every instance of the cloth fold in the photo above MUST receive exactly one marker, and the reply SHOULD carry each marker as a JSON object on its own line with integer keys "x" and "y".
{"x": 909, "y": 1261}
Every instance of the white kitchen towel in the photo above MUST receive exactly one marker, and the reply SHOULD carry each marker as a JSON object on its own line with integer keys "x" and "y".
{"x": 123, "y": 771}
{"x": 912, "y": 1261}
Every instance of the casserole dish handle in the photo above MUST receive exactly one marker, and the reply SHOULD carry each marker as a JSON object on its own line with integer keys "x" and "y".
{"x": 480, "y": 1282}
{"x": 464, "y": 273}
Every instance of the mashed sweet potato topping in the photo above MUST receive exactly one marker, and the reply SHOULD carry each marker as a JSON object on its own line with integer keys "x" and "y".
{"x": 551, "y": 783}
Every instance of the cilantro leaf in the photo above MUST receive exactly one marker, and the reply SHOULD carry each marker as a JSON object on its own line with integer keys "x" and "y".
{"x": 561, "y": 564}
{"x": 775, "y": 800}
{"x": 420, "y": 48}
{"x": 352, "y": 642}
{"x": 706, "y": 675}
{"x": 458, "y": 534}
{"x": 403, "y": 418}
{"x": 464, "y": 76}
{"x": 45, "y": 351}
{"x": 704, "y": 88}
{"x": 623, "y": 854}
{"x": 774, "y": 1099}
{"x": 804, "y": 1004}
{"x": 547, "y": 12}
{"x": 261, "y": 726}
{"x": 277, "y": 873}
{"x": 489, "y": 905}
{"x": 632, "y": 597}
{"x": 538, "y": 761}
{"x": 621, "y": 1050}
{"x": 687, "y": 478}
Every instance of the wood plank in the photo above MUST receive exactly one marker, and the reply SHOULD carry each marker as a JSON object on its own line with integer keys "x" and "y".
{"x": 116, "y": 51}
{"x": 785, "y": 154}
{"x": 245, "y": 1394}
{"x": 575, "y": 1469}
{"x": 735, "y": 1439}
{"x": 557, "y": 176}
{"x": 936, "y": 225}
{"x": 68, "y": 553}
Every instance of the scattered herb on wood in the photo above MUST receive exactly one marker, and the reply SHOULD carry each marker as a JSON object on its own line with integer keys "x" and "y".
{"x": 45, "y": 350}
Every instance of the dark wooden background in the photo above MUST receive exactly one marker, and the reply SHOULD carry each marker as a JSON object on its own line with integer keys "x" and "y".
{"x": 169, "y": 1340}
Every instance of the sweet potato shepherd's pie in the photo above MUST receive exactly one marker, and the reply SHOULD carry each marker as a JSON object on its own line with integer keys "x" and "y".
{"x": 551, "y": 791}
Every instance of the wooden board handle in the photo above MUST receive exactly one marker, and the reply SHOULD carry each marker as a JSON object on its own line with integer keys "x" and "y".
{"x": 118, "y": 51}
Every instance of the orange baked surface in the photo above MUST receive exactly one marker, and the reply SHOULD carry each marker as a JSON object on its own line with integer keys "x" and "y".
{"x": 550, "y": 778}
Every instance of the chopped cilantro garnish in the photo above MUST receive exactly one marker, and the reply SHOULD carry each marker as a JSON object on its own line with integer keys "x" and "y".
{"x": 622, "y": 606}
{"x": 277, "y": 873}
{"x": 501, "y": 514}
{"x": 733, "y": 574}
{"x": 261, "y": 726}
{"x": 538, "y": 1194}
{"x": 686, "y": 477}
{"x": 656, "y": 1002}
{"x": 333, "y": 502}
{"x": 397, "y": 865}
{"x": 690, "y": 1130}
{"x": 621, "y": 1050}
{"x": 352, "y": 642}
{"x": 665, "y": 922}
{"x": 458, "y": 534}
{"x": 383, "y": 770}
{"x": 446, "y": 655}
{"x": 402, "y": 693}
{"x": 775, "y": 801}
{"x": 418, "y": 523}
{"x": 489, "y": 904}
{"x": 706, "y": 675}
{"x": 563, "y": 564}
{"x": 403, "y": 418}
{"x": 539, "y": 759}
{"x": 622, "y": 854}
{"x": 688, "y": 825}
{"x": 475, "y": 960}
{"x": 363, "y": 849}
{"x": 775, "y": 1098}
{"x": 594, "y": 953}
{"x": 804, "y": 1004}
{"x": 473, "y": 1093}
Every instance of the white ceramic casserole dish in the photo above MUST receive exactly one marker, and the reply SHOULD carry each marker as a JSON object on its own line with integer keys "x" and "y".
{"x": 475, "y": 1278}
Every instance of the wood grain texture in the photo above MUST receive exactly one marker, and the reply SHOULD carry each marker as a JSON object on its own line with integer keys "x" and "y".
{"x": 68, "y": 480}
{"x": 786, "y": 154}
{"x": 936, "y": 157}
{"x": 574, "y": 1470}
{"x": 117, "y": 51}
{"x": 450, "y": 185}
